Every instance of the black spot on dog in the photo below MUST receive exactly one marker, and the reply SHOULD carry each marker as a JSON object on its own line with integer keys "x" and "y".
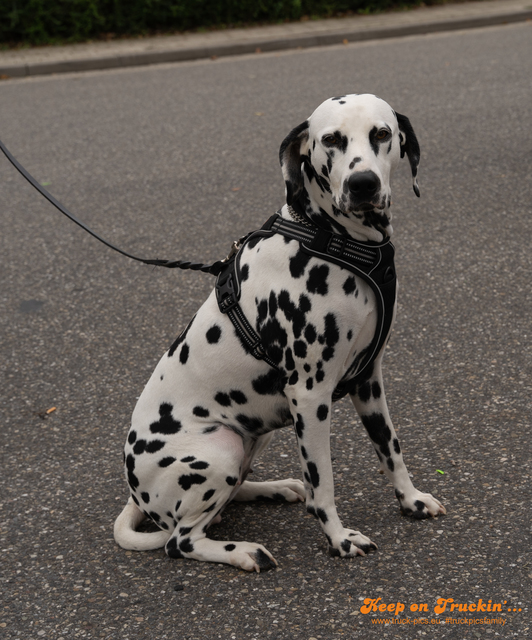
{"x": 186, "y": 546}
{"x": 300, "y": 349}
{"x": 346, "y": 546}
{"x": 294, "y": 314}
{"x": 364, "y": 391}
{"x": 230, "y": 547}
{"x": 294, "y": 378}
{"x": 188, "y": 459}
{"x": 184, "y": 353}
{"x": 331, "y": 336}
{"x": 244, "y": 272}
{"x": 268, "y": 384}
{"x": 171, "y": 549}
{"x": 390, "y": 463}
{"x": 322, "y": 515}
{"x": 376, "y": 390}
{"x": 132, "y": 437}
{"x": 310, "y": 333}
{"x": 350, "y": 285}
{"x": 238, "y": 397}
{"x": 312, "y": 511}
{"x": 131, "y": 477}
{"x": 145, "y": 496}
{"x": 309, "y": 384}
{"x": 299, "y": 425}
{"x": 378, "y": 431}
{"x": 320, "y": 375}
{"x": 317, "y": 280}
{"x": 289, "y": 362}
{"x": 304, "y": 453}
{"x": 262, "y": 311}
{"x": 186, "y": 481}
{"x": 154, "y": 445}
{"x": 200, "y": 412}
{"x": 322, "y": 412}
{"x": 200, "y": 464}
{"x": 140, "y": 447}
{"x": 396, "y": 446}
{"x": 223, "y": 399}
{"x": 208, "y": 494}
{"x": 313, "y": 474}
{"x": 231, "y": 480}
{"x": 166, "y": 424}
{"x": 274, "y": 339}
{"x": 298, "y": 263}
{"x": 166, "y": 462}
{"x": 214, "y": 334}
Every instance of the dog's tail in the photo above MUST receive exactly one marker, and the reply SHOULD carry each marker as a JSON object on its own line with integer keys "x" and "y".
{"x": 128, "y": 538}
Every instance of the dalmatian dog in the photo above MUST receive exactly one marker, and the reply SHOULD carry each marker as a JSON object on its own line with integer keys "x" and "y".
{"x": 210, "y": 408}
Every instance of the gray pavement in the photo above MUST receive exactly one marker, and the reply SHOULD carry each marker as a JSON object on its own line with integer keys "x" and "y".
{"x": 191, "y": 46}
{"x": 174, "y": 161}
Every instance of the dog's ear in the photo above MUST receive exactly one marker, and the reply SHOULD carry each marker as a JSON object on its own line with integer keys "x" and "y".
{"x": 291, "y": 153}
{"x": 410, "y": 146}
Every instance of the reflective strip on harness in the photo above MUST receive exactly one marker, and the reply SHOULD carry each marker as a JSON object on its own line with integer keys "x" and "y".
{"x": 374, "y": 263}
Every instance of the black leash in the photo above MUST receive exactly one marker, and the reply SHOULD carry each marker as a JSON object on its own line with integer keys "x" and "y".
{"x": 213, "y": 269}
{"x": 373, "y": 262}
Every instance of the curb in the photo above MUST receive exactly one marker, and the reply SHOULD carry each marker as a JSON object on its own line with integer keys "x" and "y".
{"x": 259, "y": 44}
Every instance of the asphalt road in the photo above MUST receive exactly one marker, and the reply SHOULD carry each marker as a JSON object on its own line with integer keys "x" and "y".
{"x": 175, "y": 161}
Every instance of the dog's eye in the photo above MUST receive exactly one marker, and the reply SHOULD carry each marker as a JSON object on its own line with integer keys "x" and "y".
{"x": 329, "y": 139}
{"x": 382, "y": 134}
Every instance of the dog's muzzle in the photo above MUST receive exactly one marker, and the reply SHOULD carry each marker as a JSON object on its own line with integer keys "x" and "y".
{"x": 364, "y": 189}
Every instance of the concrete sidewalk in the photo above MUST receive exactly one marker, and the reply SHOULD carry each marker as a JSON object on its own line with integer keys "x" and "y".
{"x": 192, "y": 46}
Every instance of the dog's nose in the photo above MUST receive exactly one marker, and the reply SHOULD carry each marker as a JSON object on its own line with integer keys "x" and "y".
{"x": 364, "y": 184}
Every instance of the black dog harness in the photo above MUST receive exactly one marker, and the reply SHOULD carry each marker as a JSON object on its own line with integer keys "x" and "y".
{"x": 373, "y": 262}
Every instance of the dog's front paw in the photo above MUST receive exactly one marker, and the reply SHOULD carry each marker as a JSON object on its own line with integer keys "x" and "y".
{"x": 351, "y": 544}
{"x": 289, "y": 490}
{"x": 420, "y": 505}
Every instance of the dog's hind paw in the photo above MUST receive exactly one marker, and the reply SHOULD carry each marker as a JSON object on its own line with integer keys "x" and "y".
{"x": 420, "y": 505}
{"x": 251, "y": 557}
{"x": 352, "y": 544}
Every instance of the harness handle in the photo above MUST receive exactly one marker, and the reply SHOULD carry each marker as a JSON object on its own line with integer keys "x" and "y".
{"x": 213, "y": 268}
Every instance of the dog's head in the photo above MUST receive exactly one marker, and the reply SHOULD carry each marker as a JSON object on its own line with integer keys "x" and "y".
{"x": 339, "y": 162}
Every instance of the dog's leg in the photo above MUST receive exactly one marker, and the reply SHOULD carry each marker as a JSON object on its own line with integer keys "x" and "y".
{"x": 222, "y": 460}
{"x": 370, "y": 403}
{"x": 289, "y": 490}
{"x": 312, "y": 424}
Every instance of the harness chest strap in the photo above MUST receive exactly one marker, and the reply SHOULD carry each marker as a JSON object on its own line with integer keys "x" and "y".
{"x": 374, "y": 263}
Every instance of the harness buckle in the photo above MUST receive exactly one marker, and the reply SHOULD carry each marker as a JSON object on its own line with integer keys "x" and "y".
{"x": 225, "y": 291}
